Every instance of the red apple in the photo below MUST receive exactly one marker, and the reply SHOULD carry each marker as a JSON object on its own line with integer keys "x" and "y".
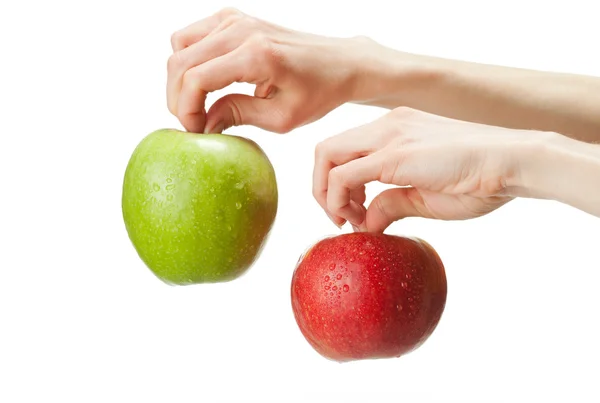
{"x": 367, "y": 296}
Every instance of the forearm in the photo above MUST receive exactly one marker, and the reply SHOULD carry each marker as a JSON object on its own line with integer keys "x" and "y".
{"x": 561, "y": 169}
{"x": 493, "y": 95}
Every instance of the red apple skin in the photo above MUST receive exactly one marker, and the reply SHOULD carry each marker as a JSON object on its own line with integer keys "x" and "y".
{"x": 367, "y": 296}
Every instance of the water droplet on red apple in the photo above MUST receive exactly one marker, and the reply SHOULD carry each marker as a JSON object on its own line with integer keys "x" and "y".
{"x": 404, "y": 285}
{"x": 410, "y": 299}
{"x": 327, "y": 287}
{"x": 334, "y": 288}
{"x": 326, "y": 278}
{"x": 407, "y": 275}
{"x": 339, "y": 277}
{"x": 399, "y": 308}
{"x": 346, "y": 288}
{"x": 332, "y": 266}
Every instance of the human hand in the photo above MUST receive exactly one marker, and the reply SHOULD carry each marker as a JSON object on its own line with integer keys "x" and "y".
{"x": 446, "y": 169}
{"x": 299, "y": 77}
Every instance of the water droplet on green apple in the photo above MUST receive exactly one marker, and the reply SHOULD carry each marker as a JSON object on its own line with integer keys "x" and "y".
{"x": 169, "y": 180}
{"x": 155, "y": 187}
{"x": 169, "y": 197}
{"x": 170, "y": 187}
{"x": 239, "y": 185}
{"x": 238, "y": 205}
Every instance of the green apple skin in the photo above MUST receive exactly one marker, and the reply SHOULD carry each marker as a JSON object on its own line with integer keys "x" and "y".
{"x": 198, "y": 208}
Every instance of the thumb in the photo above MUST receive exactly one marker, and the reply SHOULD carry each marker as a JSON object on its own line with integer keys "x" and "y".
{"x": 239, "y": 109}
{"x": 392, "y": 205}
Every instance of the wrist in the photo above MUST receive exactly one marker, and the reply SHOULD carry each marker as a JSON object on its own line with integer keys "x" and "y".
{"x": 386, "y": 77}
{"x": 556, "y": 167}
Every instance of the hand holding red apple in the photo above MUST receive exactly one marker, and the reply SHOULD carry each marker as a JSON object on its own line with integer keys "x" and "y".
{"x": 445, "y": 169}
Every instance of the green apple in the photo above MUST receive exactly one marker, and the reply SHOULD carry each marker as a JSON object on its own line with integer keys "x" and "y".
{"x": 198, "y": 208}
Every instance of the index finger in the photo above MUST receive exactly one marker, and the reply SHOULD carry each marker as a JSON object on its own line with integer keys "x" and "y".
{"x": 338, "y": 150}
{"x": 343, "y": 179}
{"x": 213, "y": 75}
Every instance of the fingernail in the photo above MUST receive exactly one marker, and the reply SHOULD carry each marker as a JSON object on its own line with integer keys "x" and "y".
{"x": 218, "y": 128}
{"x": 334, "y": 222}
{"x": 359, "y": 228}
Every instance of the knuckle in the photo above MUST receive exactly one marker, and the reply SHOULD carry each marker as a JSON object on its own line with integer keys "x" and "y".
{"x": 403, "y": 112}
{"x": 321, "y": 149}
{"x": 336, "y": 176}
{"x": 177, "y": 40}
{"x": 258, "y": 43}
{"x": 391, "y": 168}
{"x": 263, "y": 50}
{"x": 192, "y": 80}
{"x": 363, "y": 39}
{"x": 229, "y": 12}
{"x": 230, "y": 20}
{"x": 174, "y": 61}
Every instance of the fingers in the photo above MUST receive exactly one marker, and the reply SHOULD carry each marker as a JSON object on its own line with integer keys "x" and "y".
{"x": 200, "y": 29}
{"x": 211, "y": 76}
{"x": 180, "y": 62}
{"x": 338, "y": 150}
{"x": 343, "y": 179}
{"x": 392, "y": 205}
{"x": 238, "y": 109}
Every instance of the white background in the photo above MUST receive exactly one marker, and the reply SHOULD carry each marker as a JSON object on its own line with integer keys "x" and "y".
{"x": 81, "y": 318}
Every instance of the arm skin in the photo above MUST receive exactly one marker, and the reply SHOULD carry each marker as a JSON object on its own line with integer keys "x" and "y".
{"x": 561, "y": 169}
{"x": 480, "y": 93}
